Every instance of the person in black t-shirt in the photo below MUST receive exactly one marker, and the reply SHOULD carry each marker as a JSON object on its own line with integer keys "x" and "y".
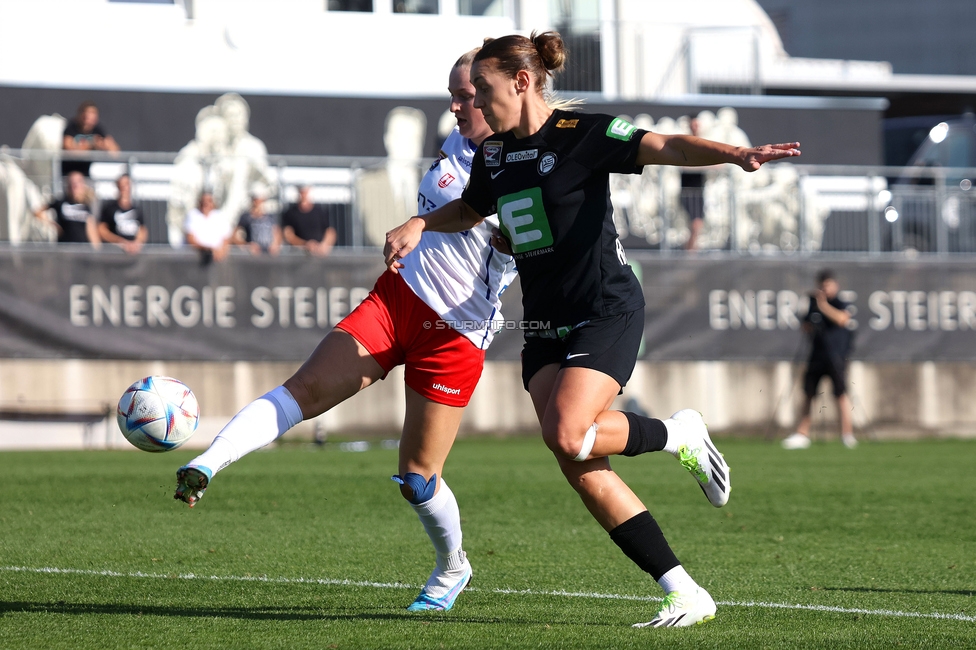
{"x": 826, "y": 325}
{"x": 306, "y": 225}
{"x": 85, "y": 133}
{"x": 546, "y": 173}
{"x": 74, "y": 217}
{"x": 257, "y": 230}
{"x": 122, "y": 222}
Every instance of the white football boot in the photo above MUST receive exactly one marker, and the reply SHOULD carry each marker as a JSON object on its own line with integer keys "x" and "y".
{"x": 442, "y": 589}
{"x": 697, "y": 453}
{"x": 796, "y": 441}
{"x": 683, "y": 610}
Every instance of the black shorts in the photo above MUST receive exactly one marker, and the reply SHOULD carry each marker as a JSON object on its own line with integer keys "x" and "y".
{"x": 819, "y": 368}
{"x": 608, "y": 344}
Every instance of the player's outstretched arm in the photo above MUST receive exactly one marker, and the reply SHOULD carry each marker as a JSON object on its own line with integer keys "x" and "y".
{"x": 455, "y": 216}
{"x": 689, "y": 151}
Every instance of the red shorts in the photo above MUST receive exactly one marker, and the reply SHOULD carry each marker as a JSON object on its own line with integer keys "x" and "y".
{"x": 397, "y": 327}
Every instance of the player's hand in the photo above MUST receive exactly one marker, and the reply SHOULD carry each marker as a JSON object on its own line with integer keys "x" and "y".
{"x": 754, "y": 158}
{"x": 400, "y": 241}
{"x": 500, "y": 243}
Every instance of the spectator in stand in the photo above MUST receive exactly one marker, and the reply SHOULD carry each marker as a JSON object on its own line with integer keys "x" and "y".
{"x": 208, "y": 230}
{"x": 258, "y": 230}
{"x": 122, "y": 222}
{"x": 85, "y": 133}
{"x": 74, "y": 216}
{"x": 308, "y": 226}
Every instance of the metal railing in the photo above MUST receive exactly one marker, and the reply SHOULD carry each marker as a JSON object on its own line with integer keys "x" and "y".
{"x": 783, "y": 209}
{"x": 801, "y": 209}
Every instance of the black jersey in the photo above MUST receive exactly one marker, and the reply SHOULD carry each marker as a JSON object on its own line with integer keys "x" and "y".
{"x": 552, "y": 193}
{"x": 829, "y": 338}
{"x": 73, "y": 219}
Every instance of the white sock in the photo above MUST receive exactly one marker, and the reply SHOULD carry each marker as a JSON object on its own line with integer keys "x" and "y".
{"x": 675, "y": 436}
{"x": 442, "y": 521}
{"x": 258, "y": 424}
{"x": 677, "y": 579}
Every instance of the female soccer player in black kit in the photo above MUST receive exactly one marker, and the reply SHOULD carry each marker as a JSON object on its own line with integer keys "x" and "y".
{"x": 546, "y": 174}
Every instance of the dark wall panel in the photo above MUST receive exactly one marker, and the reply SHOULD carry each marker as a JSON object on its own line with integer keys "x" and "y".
{"x": 343, "y": 126}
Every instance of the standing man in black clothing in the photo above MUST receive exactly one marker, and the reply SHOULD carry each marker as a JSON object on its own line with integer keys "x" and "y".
{"x": 85, "y": 133}
{"x": 826, "y": 324}
{"x": 122, "y": 222}
{"x": 74, "y": 217}
{"x": 306, "y": 225}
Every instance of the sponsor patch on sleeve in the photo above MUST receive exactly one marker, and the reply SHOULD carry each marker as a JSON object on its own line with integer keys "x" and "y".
{"x": 620, "y": 129}
{"x": 493, "y": 153}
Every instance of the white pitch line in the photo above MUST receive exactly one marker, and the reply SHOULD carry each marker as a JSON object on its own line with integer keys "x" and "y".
{"x": 525, "y": 592}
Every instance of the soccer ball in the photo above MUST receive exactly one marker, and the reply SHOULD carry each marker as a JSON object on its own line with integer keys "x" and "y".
{"x": 158, "y": 413}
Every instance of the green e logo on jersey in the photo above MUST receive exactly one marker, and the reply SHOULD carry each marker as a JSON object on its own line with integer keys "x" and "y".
{"x": 620, "y": 129}
{"x": 524, "y": 221}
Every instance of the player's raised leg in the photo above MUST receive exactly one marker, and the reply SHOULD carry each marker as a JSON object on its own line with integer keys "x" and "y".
{"x": 683, "y": 435}
{"x": 338, "y": 368}
{"x": 429, "y": 430}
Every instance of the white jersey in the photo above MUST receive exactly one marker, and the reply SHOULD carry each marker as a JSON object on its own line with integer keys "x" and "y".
{"x": 458, "y": 275}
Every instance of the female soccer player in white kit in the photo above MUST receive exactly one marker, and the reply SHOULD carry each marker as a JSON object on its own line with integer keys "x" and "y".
{"x": 456, "y": 278}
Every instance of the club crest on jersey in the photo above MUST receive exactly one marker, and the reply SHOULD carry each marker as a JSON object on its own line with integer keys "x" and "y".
{"x": 620, "y": 129}
{"x": 493, "y": 154}
{"x": 519, "y": 156}
{"x": 546, "y": 163}
{"x": 440, "y": 156}
{"x": 567, "y": 124}
{"x": 445, "y": 180}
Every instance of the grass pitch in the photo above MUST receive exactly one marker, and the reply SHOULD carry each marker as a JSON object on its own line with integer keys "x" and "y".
{"x": 301, "y": 547}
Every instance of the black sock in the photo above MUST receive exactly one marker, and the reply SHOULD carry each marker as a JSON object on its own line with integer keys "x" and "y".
{"x": 641, "y": 539}
{"x": 646, "y": 434}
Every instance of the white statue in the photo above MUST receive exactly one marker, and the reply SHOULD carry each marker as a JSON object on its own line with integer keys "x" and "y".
{"x": 246, "y": 163}
{"x": 727, "y": 128}
{"x": 41, "y": 146}
{"x": 19, "y": 200}
{"x": 404, "y": 142}
{"x": 223, "y": 158}
{"x": 766, "y": 202}
{"x": 636, "y": 199}
{"x": 28, "y": 183}
{"x": 388, "y": 196}
{"x": 196, "y": 168}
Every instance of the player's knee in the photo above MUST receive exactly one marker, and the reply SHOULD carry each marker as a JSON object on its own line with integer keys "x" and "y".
{"x": 570, "y": 441}
{"x": 415, "y": 488}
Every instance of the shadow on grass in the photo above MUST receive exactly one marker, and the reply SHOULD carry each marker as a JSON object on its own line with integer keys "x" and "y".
{"x": 253, "y": 613}
{"x": 879, "y": 590}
